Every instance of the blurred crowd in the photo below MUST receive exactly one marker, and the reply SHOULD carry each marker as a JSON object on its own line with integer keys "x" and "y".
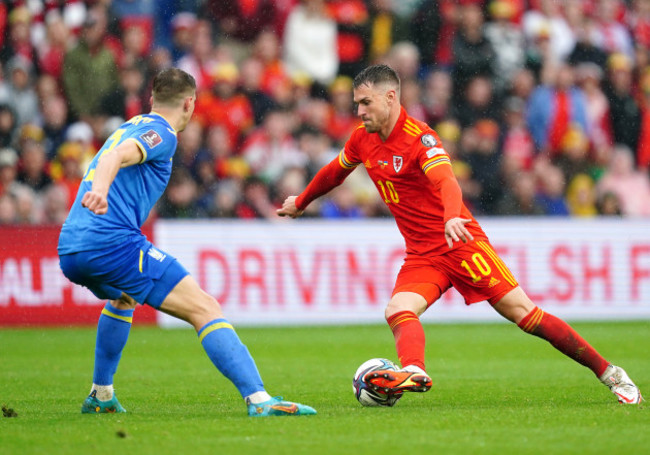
{"x": 543, "y": 105}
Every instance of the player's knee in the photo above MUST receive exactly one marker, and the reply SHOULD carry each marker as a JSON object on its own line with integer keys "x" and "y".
{"x": 125, "y": 302}
{"x": 206, "y": 308}
{"x": 405, "y": 302}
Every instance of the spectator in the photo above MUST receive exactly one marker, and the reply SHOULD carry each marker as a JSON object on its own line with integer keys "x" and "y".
{"x": 55, "y": 124}
{"x": 310, "y": 42}
{"x": 270, "y": 148}
{"x": 410, "y": 98}
{"x": 274, "y": 76}
{"x": 643, "y": 148}
{"x": 404, "y": 58}
{"x": 608, "y": 204}
{"x": 517, "y": 144}
{"x": 550, "y": 197}
{"x": 55, "y": 205}
{"x": 632, "y": 187}
{"x": 136, "y": 37}
{"x": 341, "y": 203}
{"x": 201, "y": 60}
{"x": 89, "y": 71}
{"x": 51, "y": 53}
{"x": 8, "y": 170}
{"x": 8, "y": 125}
{"x": 68, "y": 159}
{"x": 129, "y": 98}
{"x": 27, "y": 206}
{"x": 316, "y": 146}
{"x": 8, "y": 209}
{"x": 239, "y": 22}
{"x": 385, "y": 29}
{"x": 426, "y": 27}
{"x": 480, "y": 149}
{"x": 522, "y": 84}
{"x": 351, "y": 17}
{"x": 438, "y": 90}
{"x": 477, "y": 102}
{"x": 609, "y": 34}
{"x": 549, "y": 19}
{"x": 180, "y": 197}
{"x": 520, "y": 199}
{"x": 21, "y": 90}
{"x": 638, "y": 19}
{"x": 342, "y": 120}
{"x": 251, "y": 86}
{"x": 581, "y": 196}
{"x": 227, "y": 165}
{"x": 82, "y": 134}
{"x": 449, "y": 133}
{"x": 473, "y": 53}
{"x": 256, "y": 201}
{"x": 226, "y": 199}
{"x": 33, "y": 160}
{"x": 573, "y": 157}
{"x": 624, "y": 111}
{"x": 585, "y": 49}
{"x": 182, "y": 26}
{"x": 507, "y": 40}
{"x": 589, "y": 76}
{"x": 190, "y": 143}
{"x": 222, "y": 105}
{"x": 294, "y": 179}
{"x": 18, "y": 42}
{"x": 553, "y": 108}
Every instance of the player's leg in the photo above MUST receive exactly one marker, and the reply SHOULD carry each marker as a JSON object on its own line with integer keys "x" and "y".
{"x": 113, "y": 330}
{"x": 187, "y": 301}
{"x": 417, "y": 287}
{"x": 518, "y": 308}
{"x": 113, "y": 326}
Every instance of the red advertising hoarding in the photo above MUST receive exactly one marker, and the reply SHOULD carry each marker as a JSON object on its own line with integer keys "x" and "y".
{"x": 33, "y": 290}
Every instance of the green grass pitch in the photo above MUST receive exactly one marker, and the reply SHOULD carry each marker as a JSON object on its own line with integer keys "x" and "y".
{"x": 496, "y": 391}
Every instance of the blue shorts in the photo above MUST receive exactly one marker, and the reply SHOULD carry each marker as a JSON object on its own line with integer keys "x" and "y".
{"x": 143, "y": 272}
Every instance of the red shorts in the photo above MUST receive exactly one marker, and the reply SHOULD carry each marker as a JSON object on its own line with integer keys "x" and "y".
{"x": 474, "y": 270}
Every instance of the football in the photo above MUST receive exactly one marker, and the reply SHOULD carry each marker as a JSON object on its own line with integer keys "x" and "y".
{"x": 366, "y": 395}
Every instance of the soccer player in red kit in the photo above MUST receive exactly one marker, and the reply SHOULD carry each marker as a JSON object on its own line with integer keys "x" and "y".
{"x": 445, "y": 246}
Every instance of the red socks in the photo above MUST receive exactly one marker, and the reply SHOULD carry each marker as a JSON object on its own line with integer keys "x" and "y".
{"x": 564, "y": 339}
{"x": 409, "y": 338}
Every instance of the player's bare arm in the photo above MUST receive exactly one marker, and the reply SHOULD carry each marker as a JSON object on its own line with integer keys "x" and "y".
{"x": 289, "y": 208}
{"x": 455, "y": 231}
{"x": 124, "y": 155}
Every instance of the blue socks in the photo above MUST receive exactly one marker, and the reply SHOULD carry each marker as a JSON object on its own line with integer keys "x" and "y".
{"x": 230, "y": 356}
{"x": 112, "y": 332}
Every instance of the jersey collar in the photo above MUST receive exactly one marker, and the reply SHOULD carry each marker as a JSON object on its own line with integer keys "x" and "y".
{"x": 398, "y": 126}
{"x": 171, "y": 128}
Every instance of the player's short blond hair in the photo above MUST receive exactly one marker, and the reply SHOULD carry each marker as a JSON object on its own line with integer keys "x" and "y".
{"x": 171, "y": 86}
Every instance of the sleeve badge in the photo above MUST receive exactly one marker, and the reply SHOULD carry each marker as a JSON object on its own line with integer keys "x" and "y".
{"x": 428, "y": 141}
{"x": 151, "y": 138}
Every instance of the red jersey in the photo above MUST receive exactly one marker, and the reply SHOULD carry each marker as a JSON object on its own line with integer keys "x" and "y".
{"x": 413, "y": 175}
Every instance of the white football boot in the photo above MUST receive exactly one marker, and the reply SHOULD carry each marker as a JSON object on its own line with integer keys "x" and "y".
{"x": 621, "y": 385}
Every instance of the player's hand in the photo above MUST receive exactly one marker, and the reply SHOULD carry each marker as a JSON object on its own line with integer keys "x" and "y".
{"x": 95, "y": 202}
{"x": 455, "y": 231}
{"x": 289, "y": 208}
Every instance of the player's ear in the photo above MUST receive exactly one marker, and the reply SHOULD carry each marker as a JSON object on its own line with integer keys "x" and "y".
{"x": 187, "y": 104}
{"x": 391, "y": 96}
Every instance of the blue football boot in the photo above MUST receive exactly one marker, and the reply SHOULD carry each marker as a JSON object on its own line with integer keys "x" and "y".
{"x": 92, "y": 405}
{"x": 277, "y": 407}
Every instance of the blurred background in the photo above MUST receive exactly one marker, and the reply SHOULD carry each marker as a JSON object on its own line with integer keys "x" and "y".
{"x": 543, "y": 106}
